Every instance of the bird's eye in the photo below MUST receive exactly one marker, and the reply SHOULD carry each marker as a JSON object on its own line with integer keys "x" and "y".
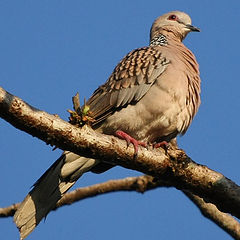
{"x": 172, "y": 17}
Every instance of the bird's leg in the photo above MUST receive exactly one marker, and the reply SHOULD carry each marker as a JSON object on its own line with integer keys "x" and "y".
{"x": 129, "y": 140}
{"x": 163, "y": 144}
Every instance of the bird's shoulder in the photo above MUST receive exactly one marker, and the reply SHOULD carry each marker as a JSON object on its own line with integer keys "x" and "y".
{"x": 129, "y": 82}
{"x": 137, "y": 65}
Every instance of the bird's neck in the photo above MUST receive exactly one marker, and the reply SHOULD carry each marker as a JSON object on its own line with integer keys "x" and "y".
{"x": 159, "y": 40}
{"x": 163, "y": 36}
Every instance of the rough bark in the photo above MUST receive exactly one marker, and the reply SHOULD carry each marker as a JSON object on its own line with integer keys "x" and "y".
{"x": 140, "y": 184}
{"x": 173, "y": 166}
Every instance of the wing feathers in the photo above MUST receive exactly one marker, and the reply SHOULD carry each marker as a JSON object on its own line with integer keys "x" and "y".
{"x": 129, "y": 82}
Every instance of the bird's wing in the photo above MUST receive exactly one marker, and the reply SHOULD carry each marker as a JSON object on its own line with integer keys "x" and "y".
{"x": 129, "y": 82}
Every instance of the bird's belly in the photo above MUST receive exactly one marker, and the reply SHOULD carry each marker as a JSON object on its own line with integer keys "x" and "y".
{"x": 143, "y": 121}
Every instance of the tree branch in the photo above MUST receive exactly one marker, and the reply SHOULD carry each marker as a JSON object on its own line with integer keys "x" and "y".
{"x": 140, "y": 184}
{"x": 174, "y": 167}
{"x": 210, "y": 211}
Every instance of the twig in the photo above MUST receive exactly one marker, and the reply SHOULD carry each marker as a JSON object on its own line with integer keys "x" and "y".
{"x": 140, "y": 184}
{"x": 210, "y": 211}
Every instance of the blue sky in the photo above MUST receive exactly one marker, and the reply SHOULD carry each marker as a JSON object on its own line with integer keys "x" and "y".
{"x": 49, "y": 50}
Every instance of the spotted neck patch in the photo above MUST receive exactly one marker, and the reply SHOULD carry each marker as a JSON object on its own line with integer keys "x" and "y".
{"x": 159, "y": 40}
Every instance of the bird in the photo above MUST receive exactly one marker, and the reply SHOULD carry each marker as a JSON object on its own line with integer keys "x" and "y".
{"x": 151, "y": 97}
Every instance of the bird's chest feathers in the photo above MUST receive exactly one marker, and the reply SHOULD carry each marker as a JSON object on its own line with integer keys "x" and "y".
{"x": 162, "y": 111}
{"x": 154, "y": 115}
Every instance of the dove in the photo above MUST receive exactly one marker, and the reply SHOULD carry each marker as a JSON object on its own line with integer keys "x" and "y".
{"x": 151, "y": 97}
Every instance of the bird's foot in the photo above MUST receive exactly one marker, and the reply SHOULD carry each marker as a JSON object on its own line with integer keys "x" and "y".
{"x": 129, "y": 140}
{"x": 163, "y": 144}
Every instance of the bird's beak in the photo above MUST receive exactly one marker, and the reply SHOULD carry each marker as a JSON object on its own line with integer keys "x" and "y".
{"x": 192, "y": 28}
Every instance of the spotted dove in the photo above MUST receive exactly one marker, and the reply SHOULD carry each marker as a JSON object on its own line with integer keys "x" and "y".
{"x": 151, "y": 96}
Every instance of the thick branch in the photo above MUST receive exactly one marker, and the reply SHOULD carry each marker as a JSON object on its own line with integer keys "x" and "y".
{"x": 175, "y": 167}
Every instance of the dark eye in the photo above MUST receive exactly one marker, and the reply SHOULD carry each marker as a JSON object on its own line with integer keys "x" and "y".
{"x": 172, "y": 17}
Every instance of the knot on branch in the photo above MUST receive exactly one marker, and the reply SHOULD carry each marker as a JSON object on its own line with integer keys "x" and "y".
{"x": 81, "y": 115}
{"x": 142, "y": 183}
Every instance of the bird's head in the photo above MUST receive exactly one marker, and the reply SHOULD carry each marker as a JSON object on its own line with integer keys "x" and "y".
{"x": 176, "y": 22}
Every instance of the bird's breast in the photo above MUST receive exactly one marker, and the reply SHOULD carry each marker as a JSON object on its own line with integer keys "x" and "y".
{"x": 155, "y": 116}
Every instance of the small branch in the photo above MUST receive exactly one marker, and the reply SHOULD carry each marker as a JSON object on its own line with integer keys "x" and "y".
{"x": 175, "y": 167}
{"x": 9, "y": 211}
{"x": 210, "y": 211}
{"x": 140, "y": 184}
{"x": 137, "y": 184}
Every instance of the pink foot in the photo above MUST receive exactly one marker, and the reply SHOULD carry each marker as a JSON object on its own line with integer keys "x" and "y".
{"x": 162, "y": 144}
{"x": 129, "y": 140}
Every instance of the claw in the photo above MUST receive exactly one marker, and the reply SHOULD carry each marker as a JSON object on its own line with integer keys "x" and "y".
{"x": 163, "y": 144}
{"x": 132, "y": 140}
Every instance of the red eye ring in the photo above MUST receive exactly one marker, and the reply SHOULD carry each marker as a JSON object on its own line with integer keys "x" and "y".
{"x": 172, "y": 17}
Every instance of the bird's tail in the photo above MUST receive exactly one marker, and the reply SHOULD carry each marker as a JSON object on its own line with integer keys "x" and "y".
{"x": 48, "y": 189}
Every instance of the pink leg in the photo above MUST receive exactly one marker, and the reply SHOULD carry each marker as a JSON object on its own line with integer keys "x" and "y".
{"x": 129, "y": 140}
{"x": 162, "y": 144}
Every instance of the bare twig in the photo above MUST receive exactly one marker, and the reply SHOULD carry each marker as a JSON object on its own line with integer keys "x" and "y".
{"x": 223, "y": 220}
{"x": 9, "y": 211}
{"x": 137, "y": 184}
{"x": 140, "y": 184}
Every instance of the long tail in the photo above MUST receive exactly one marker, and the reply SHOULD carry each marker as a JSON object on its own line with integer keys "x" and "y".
{"x": 48, "y": 189}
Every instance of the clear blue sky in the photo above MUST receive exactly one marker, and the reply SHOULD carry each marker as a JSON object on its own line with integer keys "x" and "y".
{"x": 49, "y": 50}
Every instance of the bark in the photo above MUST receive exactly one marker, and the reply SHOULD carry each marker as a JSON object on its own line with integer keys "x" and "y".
{"x": 173, "y": 166}
{"x": 140, "y": 184}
